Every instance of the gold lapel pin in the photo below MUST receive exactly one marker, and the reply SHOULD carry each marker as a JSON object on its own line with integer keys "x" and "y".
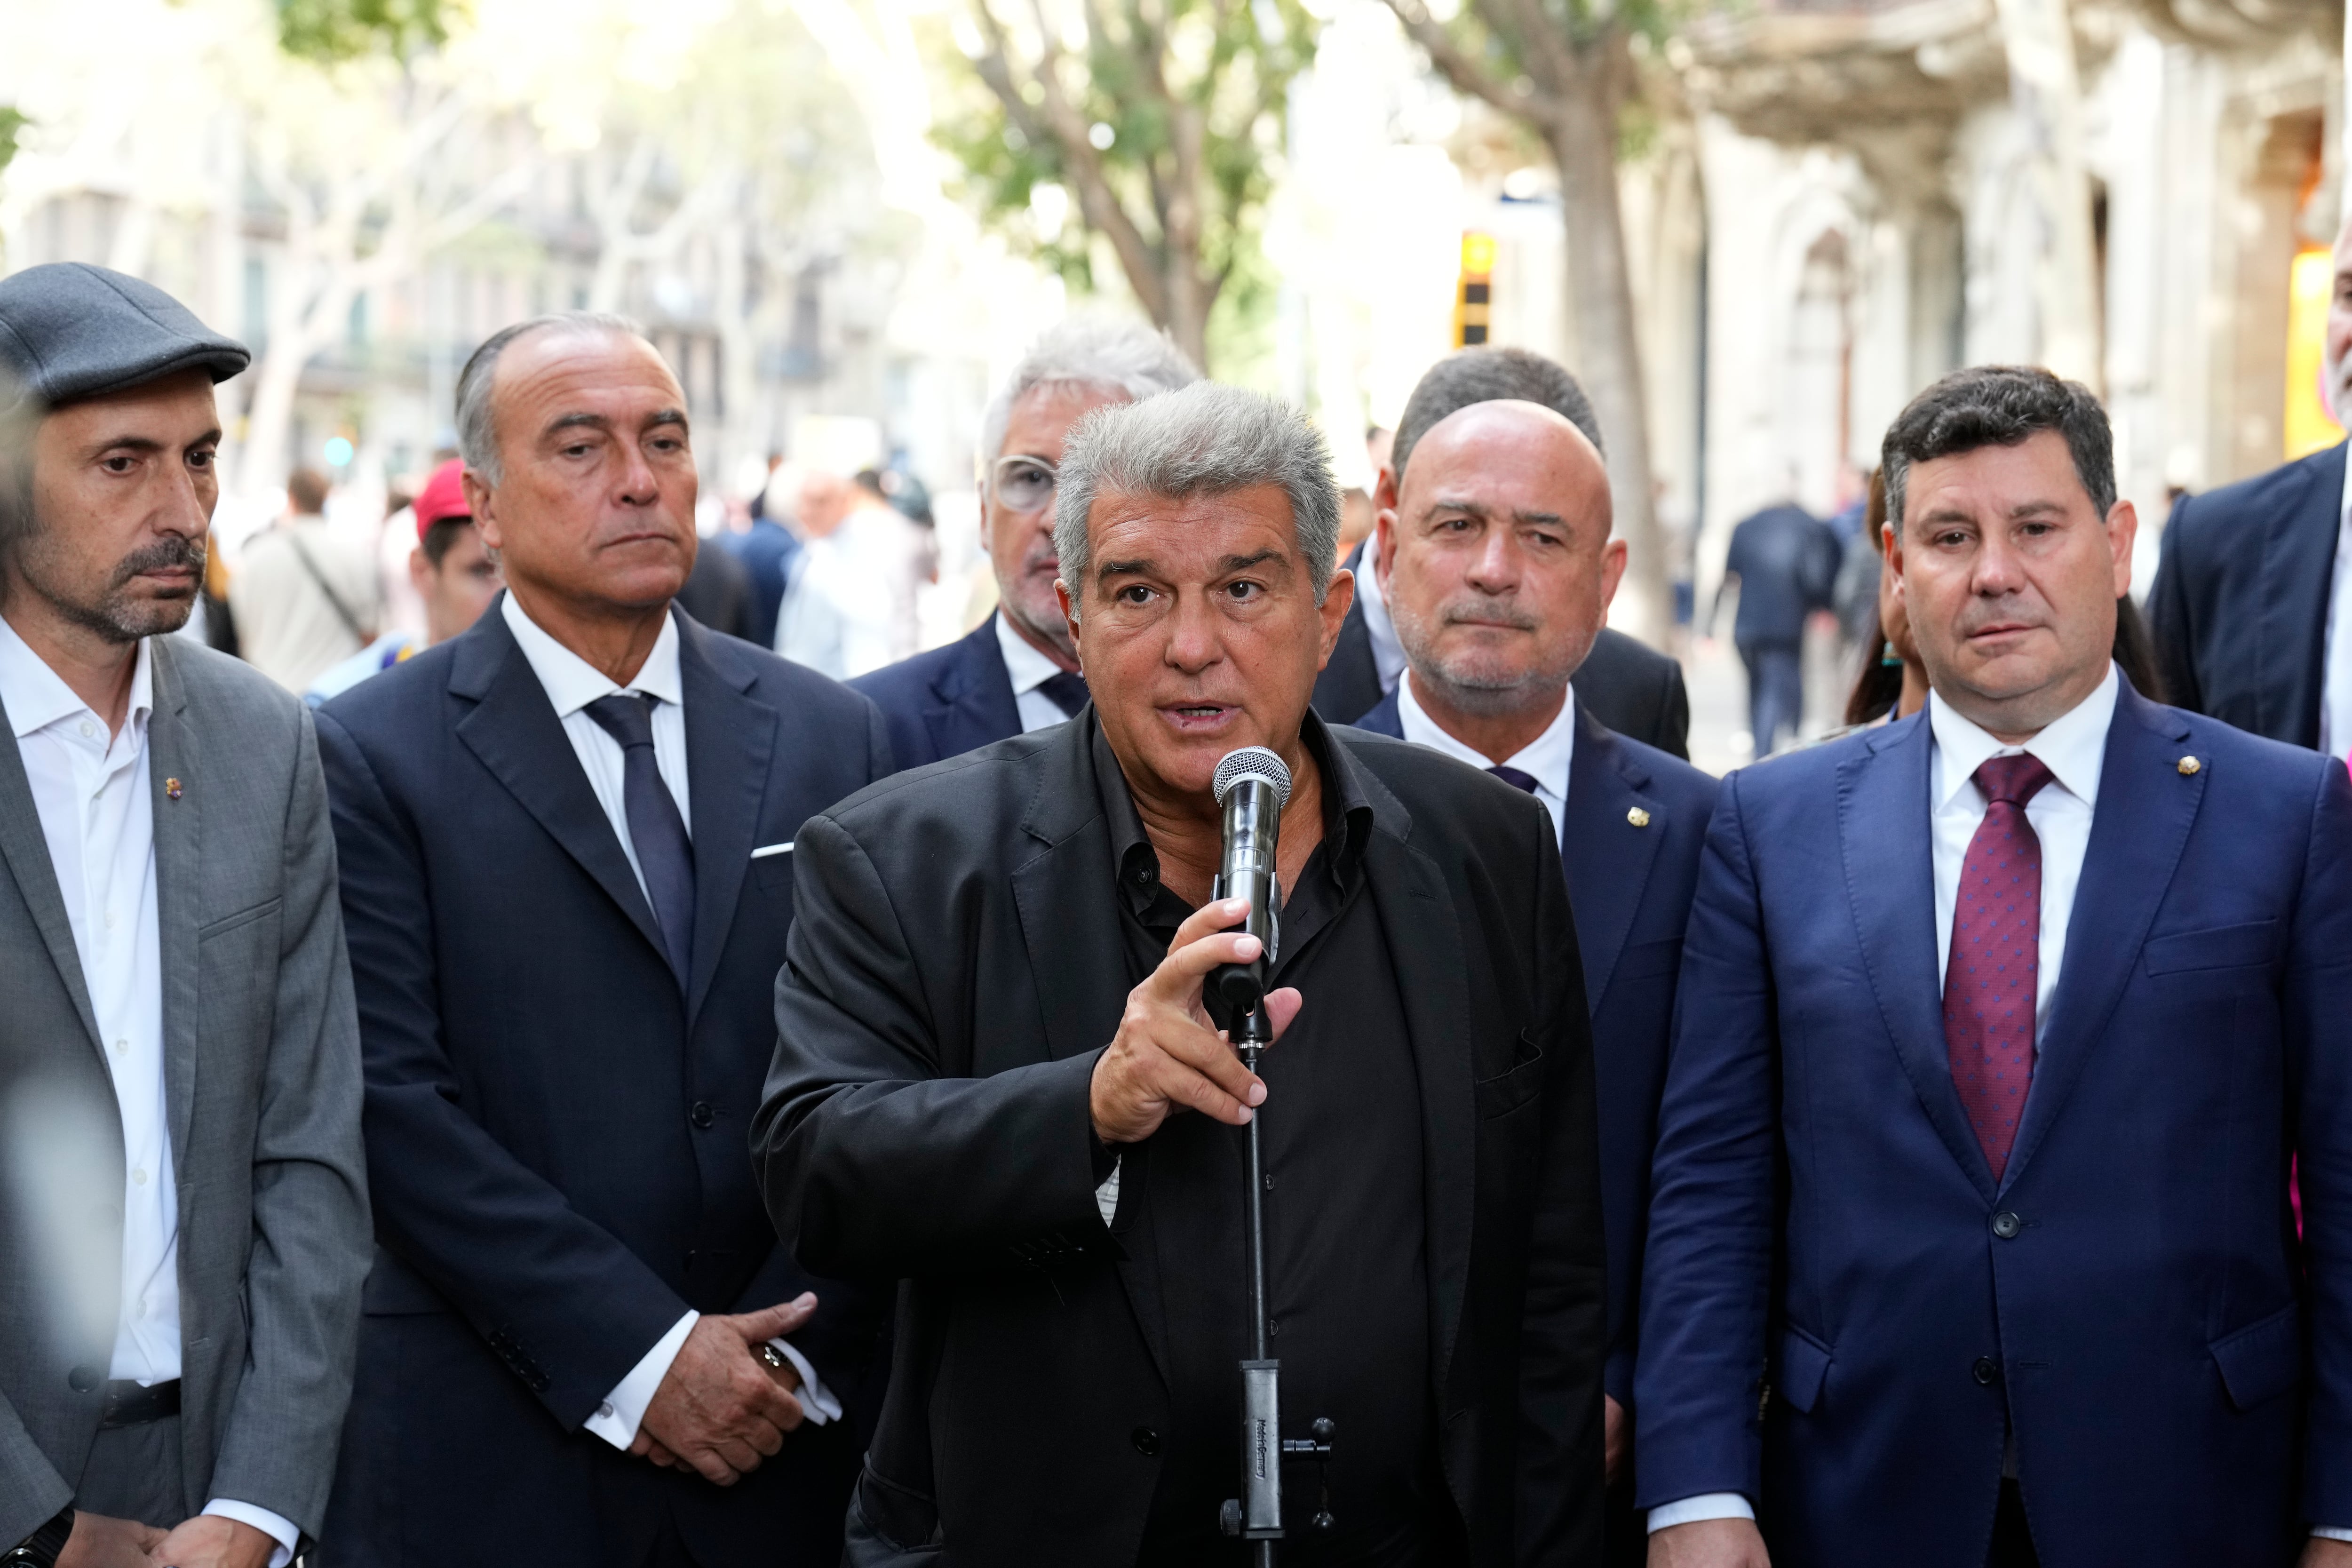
{"x": 2188, "y": 765}
{"x": 172, "y": 788}
{"x": 1638, "y": 817}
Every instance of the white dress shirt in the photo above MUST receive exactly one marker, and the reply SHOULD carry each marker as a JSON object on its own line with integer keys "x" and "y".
{"x": 1388, "y": 653}
{"x": 96, "y": 803}
{"x": 2335, "y": 668}
{"x": 572, "y": 684}
{"x": 1029, "y": 670}
{"x": 1546, "y": 758}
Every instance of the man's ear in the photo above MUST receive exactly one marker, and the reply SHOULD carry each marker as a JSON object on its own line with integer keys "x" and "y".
{"x": 1337, "y": 600}
{"x": 2123, "y": 531}
{"x": 1892, "y": 537}
{"x": 1069, "y": 615}
{"x": 481, "y": 500}
{"x": 1613, "y": 573}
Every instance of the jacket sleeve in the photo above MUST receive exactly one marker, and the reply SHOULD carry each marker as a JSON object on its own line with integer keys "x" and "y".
{"x": 879, "y": 1161}
{"x": 1564, "y": 1329}
{"x": 1674, "y": 714}
{"x": 2318, "y": 998}
{"x": 311, "y": 1233}
{"x": 563, "y": 1301}
{"x": 2168, "y": 617}
{"x": 1708, "y": 1269}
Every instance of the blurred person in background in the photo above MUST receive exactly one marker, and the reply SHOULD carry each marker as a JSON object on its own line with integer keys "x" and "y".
{"x": 768, "y": 550}
{"x": 1785, "y": 561}
{"x": 1630, "y": 688}
{"x": 720, "y": 594}
{"x": 1500, "y": 567}
{"x": 305, "y": 593}
{"x": 566, "y": 841}
{"x": 1018, "y": 670}
{"x": 2252, "y": 613}
{"x": 183, "y": 1214}
{"x": 1357, "y": 515}
{"x": 835, "y": 614}
{"x": 452, "y": 574}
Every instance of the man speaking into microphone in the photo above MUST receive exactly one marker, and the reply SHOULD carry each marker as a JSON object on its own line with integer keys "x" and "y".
{"x": 995, "y": 1078}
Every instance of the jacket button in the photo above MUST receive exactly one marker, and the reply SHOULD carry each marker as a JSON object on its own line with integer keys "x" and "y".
{"x": 2006, "y": 1226}
{"x": 1146, "y": 1442}
{"x": 82, "y": 1379}
{"x": 702, "y": 1115}
{"x": 1985, "y": 1371}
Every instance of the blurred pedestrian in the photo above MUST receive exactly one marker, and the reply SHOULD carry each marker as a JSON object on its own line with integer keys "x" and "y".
{"x": 1019, "y": 670}
{"x": 768, "y": 551}
{"x": 719, "y": 593}
{"x": 2252, "y": 613}
{"x": 995, "y": 1078}
{"x": 1633, "y": 689}
{"x": 305, "y": 593}
{"x": 835, "y": 616}
{"x": 1999, "y": 1029}
{"x": 452, "y": 570}
{"x": 566, "y": 842}
{"x": 183, "y": 1214}
{"x": 1500, "y": 567}
{"x": 1785, "y": 561}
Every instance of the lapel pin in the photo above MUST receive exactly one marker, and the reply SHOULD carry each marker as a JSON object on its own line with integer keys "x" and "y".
{"x": 1638, "y": 817}
{"x": 2188, "y": 765}
{"x": 172, "y": 788}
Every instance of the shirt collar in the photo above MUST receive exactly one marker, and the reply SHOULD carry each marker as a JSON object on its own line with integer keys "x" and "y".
{"x": 2073, "y": 746}
{"x": 1028, "y": 669}
{"x": 572, "y": 683}
{"x": 37, "y": 697}
{"x": 1546, "y": 758}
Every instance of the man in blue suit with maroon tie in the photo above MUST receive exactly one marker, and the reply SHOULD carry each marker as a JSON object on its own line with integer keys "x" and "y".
{"x": 2000, "y": 1029}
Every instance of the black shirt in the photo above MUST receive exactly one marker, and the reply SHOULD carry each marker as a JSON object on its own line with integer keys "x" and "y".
{"x": 1346, "y": 1262}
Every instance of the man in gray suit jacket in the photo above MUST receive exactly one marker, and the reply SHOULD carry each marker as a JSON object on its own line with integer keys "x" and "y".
{"x": 184, "y": 1221}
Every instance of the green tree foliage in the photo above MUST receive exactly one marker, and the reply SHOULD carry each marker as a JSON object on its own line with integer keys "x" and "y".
{"x": 1162, "y": 121}
{"x": 12, "y": 123}
{"x": 330, "y": 31}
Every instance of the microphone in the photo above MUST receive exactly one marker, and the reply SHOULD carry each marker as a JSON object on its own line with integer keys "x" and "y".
{"x": 1252, "y": 785}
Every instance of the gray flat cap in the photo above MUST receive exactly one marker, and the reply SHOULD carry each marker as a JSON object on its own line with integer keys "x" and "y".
{"x": 70, "y": 331}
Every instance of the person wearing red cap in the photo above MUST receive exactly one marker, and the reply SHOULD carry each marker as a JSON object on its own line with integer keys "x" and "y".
{"x": 452, "y": 572}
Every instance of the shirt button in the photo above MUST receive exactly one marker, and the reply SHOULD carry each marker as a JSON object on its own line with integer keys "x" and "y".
{"x": 2006, "y": 1226}
{"x": 1146, "y": 1441}
{"x": 139, "y": 1176}
{"x": 702, "y": 1115}
{"x": 109, "y": 919}
{"x": 88, "y": 729}
{"x": 123, "y": 1045}
{"x": 605, "y": 1410}
{"x": 1984, "y": 1370}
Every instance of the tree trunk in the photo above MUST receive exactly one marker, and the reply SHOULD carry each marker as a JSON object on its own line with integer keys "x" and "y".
{"x": 1583, "y": 138}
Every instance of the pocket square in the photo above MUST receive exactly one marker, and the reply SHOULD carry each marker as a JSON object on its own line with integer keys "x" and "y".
{"x": 764, "y": 850}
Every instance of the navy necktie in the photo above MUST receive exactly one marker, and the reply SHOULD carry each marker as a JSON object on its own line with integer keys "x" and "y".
{"x": 1065, "y": 692}
{"x": 657, "y": 831}
{"x": 1514, "y": 778}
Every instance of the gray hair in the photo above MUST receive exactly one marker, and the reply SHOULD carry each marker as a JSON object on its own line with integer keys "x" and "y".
{"x": 477, "y": 433}
{"x": 1490, "y": 375}
{"x": 1106, "y": 352}
{"x": 1205, "y": 439}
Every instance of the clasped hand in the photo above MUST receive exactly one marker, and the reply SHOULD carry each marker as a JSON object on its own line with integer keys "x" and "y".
{"x": 1167, "y": 1055}
{"x": 721, "y": 1409}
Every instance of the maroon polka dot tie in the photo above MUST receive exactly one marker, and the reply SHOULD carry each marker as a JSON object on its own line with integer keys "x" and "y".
{"x": 1989, "y": 982}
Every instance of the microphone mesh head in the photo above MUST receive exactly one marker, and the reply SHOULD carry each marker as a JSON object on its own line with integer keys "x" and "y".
{"x": 1253, "y": 762}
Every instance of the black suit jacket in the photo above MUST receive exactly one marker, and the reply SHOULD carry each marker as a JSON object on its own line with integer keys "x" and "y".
{"x": 1631, "y": 885}
{"x": 946, "y": 701}
{"x": 2239, "y": 612}
{"x": 556, "y": 1137}
{"x": 954, "y": 969}
{"x": 1632, "y": 689}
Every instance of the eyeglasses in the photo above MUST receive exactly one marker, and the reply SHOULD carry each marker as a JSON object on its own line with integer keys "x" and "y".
{"x": 1023, "y": 484}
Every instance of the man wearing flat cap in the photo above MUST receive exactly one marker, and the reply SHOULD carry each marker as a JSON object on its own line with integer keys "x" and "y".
{"x": 184, "y": 1221}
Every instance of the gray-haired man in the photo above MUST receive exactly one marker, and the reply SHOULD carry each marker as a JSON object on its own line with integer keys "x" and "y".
{"x": 994, "y": 1076}
{"x": 1018, "y": 671}
{"x": 183, "y": 1220}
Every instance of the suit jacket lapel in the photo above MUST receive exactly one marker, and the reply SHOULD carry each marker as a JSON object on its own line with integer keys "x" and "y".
{"x": 729, "y": 740}
{"x": 2298, "y": 565}
{"x": 975, "y": 702}
{"x": 1075, "y": 953}
{"x": 1884, "y": 833}
{"x": 1425, "y": 941}
{"x": 27, "y": 851}
{"x": 513, "y": 729}
{"x": 1607, "y": 857}
{"x": 175, "y": 751}
{"x": 2139, "y": 830}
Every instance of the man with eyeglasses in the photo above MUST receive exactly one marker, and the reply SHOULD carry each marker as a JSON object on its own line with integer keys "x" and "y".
{"x": 1018, "y": 671}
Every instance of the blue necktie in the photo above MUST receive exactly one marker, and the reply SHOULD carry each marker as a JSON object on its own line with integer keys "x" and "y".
{"x": 1514, "y": 778}
{"x": 657, "y": 831}
{"x": 1065, "y": 692}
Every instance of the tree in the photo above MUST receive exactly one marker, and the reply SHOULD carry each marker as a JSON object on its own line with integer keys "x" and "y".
{"x": 1161, "y": 118}
{"x": 1564, "y": 69}
{"x": 331, "y": 31}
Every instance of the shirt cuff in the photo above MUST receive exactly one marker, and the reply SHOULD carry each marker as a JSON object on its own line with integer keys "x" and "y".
{"x": 1691, "y": 1510}
{"x": 1107, "y": 1195}
{"x": 280, "y": 1530}
{"x": 818, "y": 1403}
{"x": 2319, "y": 1532}
{"x": 617, "y": 1419}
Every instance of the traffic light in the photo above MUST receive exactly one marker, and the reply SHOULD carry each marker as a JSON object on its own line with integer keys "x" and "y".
{"x": 1474, "y": 296}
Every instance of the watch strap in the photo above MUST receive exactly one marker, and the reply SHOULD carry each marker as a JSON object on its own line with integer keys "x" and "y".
{"x": 44, "y": 1546}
